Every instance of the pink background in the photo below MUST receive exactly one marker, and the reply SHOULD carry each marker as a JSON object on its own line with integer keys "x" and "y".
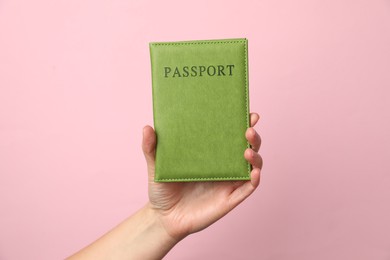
{"x": 75, "y": 92}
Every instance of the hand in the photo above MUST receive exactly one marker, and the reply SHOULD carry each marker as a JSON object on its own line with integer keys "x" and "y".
{"x": 174, "y": 210}
{"x": 185, "y": 208}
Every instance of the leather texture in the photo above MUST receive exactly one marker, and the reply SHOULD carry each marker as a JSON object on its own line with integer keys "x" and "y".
{"x": 200, "y": 109}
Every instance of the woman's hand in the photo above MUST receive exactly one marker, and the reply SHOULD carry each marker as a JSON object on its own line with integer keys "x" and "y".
{"x": 174, "y": 210}
{"x": 187, "y": 207}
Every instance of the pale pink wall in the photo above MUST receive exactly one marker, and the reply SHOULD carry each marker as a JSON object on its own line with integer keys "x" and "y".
{"x": 75, "y": 92}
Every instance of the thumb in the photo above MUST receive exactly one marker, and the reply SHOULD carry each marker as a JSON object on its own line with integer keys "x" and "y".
{"x": 149, "y": 147}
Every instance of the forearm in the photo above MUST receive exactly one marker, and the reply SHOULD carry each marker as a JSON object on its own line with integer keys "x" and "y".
{"x": 140, "y": 236}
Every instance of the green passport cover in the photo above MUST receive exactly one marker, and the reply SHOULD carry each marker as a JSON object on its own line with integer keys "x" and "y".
{"x": 200, "y": 109}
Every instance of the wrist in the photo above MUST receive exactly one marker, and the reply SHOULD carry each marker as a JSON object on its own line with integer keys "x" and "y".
{"x": 156, "y": 222}
{"x": 144, "y": 236}
{"x": 163, "y": 223}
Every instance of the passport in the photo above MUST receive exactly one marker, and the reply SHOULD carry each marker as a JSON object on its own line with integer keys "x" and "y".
{"x": 200, "y": 95}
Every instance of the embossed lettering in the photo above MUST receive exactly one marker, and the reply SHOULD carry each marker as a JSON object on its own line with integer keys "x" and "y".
{"x": 185, "y": 71}
{"x": 199, "y": 71}
{"x": 193, "y": 71}
{"x": 230, "y": 69}
{"x": 167, "y": 70}
{"x": 220, "y": 70}
{"x": 176, "y": 72}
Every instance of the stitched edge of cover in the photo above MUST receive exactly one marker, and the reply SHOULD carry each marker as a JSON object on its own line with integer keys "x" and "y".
{"x": 203, "y": 179}
{"x": 247, "y": 99}
{"x": 196, "y": 42}
{"x": 246, "y": 104}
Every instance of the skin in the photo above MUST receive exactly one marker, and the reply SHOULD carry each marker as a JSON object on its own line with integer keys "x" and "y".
{"x": 174, "y": 210}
